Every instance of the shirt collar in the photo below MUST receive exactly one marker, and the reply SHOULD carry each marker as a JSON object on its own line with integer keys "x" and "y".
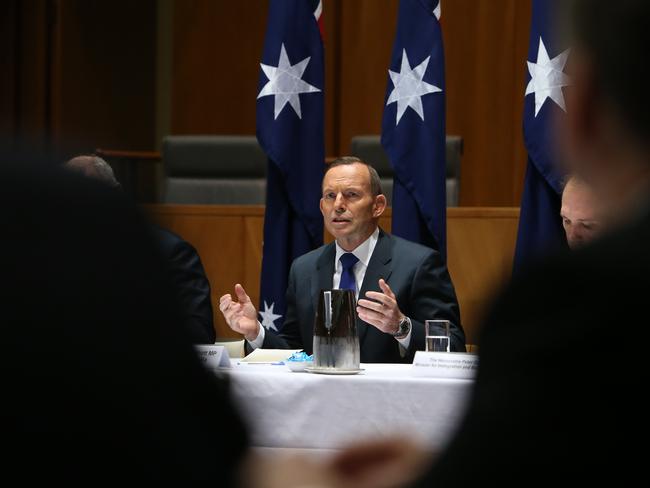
{"x": 363, "y": 251}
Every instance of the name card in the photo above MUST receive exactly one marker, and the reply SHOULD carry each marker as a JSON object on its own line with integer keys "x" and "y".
{"x": 457, "y": 365}
{"x": 213, "y": 356}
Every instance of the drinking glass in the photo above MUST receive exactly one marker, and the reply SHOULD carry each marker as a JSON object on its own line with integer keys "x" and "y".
{"x": 436, "y": 335}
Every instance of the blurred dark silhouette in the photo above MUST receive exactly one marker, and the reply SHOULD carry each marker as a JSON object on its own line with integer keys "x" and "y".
{"x": 183, "y": 264}
{"x": 101, "y": 386}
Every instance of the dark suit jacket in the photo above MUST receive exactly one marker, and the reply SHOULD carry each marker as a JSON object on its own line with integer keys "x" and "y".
{"x": 415, "y": 273}
{"x": 100, "y": 385}
{"x": 186, "y": 274}
{"x": 560, "y": 393}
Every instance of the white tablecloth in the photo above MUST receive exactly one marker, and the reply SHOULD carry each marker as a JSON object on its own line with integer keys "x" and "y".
{"x": 303, "y": 410}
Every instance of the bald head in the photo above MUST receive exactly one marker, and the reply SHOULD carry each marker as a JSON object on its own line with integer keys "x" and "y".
{"x": 581, "y": 214}
{"x": 93, "y": 167}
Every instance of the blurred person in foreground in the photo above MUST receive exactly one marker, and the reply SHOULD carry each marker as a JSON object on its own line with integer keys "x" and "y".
{"x": 558, "y": 397}
{"x": 100, "y": 385}
{"x": 580, "y": 212}
{"x": 184, "y": 267}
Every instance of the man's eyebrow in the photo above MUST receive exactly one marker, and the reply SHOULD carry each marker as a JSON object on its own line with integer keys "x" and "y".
{"x": 350, "y": 187}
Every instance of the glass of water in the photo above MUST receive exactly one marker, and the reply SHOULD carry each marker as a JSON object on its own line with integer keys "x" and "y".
{"x": 436, "y": 335}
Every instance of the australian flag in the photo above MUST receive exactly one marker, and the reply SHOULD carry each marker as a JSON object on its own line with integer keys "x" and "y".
{"x": 540, "y": 226}
{"x": 290, "y": 112}
{"x": 413, "y": 127}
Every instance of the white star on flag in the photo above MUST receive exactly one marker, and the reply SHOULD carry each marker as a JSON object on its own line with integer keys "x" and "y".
{"x": 268, "y": 317}
{"x": 547, "y": 78}
{"x": 285, "y": 82}
{"x": 408, "y": 87}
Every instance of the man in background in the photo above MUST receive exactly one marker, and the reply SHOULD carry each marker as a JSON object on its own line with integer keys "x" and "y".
{"x": 184, "y": 267}
{"x": 581, "y": 213}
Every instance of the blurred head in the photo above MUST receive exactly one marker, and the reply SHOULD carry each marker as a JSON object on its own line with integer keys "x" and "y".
{"x": 94, "y": 167}
{"x": 352, "y": 201}
{"x": 580, "y": 213}
{"x": 608, "y": 108}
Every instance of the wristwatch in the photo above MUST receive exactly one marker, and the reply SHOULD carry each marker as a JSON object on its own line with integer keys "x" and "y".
{"x": 403, "y": 329}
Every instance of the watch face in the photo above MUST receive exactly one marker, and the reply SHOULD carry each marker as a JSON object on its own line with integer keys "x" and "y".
{"x": 403, "y": 327}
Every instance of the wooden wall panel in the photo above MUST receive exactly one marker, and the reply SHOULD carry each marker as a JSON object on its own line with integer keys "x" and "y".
{"x": 104, "y": 75}
{"x": 486, "y": 43}
{"x": 76, "y": 75}
{"x": 229, "y": 241}
{"x": 332, "y": 13}
{"x": 8, "y": 68}
{"x": 367, "y": 34}
{"x": 24, "y": 74}
{"x": 217, "y": 51}
{"x": 253, "y": 238}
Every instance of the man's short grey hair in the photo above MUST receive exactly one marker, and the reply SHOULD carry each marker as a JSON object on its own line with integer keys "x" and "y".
{"x": 375, "y": 181}
{"x": 574, "y": 180}
{"x": 95, "y": 167}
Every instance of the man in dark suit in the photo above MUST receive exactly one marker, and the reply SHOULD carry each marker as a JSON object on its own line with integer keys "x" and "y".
{"x": 183, "y": 263}
{"x": 399, "y": 284}
{"x": 100, "y": 385}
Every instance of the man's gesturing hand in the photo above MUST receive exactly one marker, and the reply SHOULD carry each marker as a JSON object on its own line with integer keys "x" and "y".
{"x": 240, "y": 316}
{"x": 381, "y": 310}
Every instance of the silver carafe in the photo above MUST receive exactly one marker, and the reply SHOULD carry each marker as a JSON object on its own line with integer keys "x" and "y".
{"x": 336, "y": 338}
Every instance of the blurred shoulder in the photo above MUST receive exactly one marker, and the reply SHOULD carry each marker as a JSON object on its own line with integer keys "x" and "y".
{"x": 168, "y": 241}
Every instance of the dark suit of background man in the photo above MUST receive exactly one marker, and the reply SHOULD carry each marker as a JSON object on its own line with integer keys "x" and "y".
{"x": 100, "y": 385}
{"x": 184, "y": 266}
{"x": 399, "y": 284}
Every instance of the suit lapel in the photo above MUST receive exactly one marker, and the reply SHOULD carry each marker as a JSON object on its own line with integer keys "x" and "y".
{"x": 380, "y": 266}
{"x": 324, "y": 273}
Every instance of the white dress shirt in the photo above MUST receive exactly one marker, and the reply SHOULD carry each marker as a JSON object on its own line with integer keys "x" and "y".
{"x": 363, "y": 252}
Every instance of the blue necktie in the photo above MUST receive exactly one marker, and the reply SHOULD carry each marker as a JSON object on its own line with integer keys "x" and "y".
{"x": 348, "y": 260}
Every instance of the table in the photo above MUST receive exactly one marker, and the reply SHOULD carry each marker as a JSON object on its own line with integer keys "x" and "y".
{"x": 287, "y": 409}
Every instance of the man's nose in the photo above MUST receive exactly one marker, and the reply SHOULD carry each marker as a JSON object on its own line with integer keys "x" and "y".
{"x": 339, "y": 203}
{"x": 575, "y": 237}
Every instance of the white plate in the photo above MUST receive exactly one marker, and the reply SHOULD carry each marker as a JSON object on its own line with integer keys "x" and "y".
{"x": 298, "y": 365}
{"x": 333, "y": 371}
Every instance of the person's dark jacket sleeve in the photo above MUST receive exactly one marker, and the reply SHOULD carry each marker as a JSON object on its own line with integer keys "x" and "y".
{"x": 191, "y": 284}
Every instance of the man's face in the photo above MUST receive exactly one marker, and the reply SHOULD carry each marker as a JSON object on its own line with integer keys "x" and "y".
{"x": 580, "y": 215}
{"x": 349, "y": 209}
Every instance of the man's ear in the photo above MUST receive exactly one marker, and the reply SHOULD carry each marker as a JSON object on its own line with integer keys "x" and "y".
{"x": 379, "y": 205}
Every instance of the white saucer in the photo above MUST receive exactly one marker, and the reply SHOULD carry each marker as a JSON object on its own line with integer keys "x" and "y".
{"x": 333, "y": 371}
